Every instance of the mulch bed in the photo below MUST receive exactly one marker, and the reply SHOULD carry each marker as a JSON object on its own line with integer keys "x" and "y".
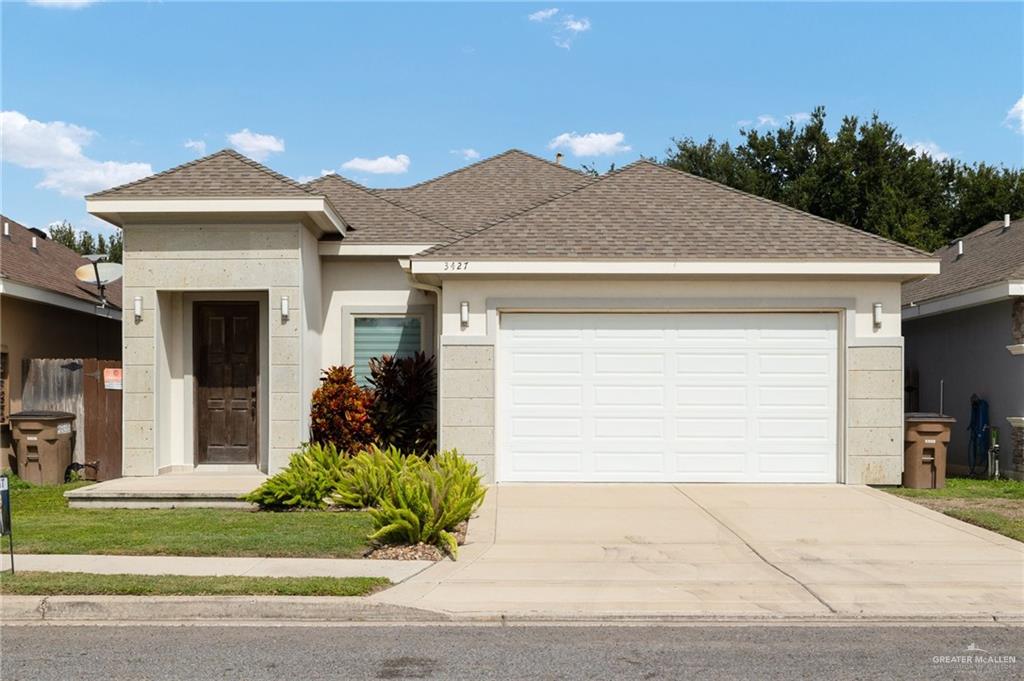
{"x": 418, "y": 551}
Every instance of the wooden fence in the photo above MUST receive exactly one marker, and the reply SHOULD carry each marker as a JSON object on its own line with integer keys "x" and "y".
{"x": 77, "y": 386}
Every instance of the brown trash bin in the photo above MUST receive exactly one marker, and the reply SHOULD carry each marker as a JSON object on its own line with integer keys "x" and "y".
{"x": 44, "y": 443}
{"x": 924, "y": 455}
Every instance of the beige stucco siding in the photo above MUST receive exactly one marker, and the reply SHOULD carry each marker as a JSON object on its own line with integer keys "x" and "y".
{"x": 170, "y": 266}
{"x": 871, "y": 374}
{"x": 365, "y": 285}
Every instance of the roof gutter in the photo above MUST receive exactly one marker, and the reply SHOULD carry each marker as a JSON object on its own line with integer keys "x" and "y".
{"x": 992, "y": 293}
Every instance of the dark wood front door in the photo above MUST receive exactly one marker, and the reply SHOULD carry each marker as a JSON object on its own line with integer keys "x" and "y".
{"x": 226, "y": 353}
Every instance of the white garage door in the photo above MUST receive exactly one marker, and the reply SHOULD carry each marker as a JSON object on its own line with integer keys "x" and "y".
{"x": 667, "y": 397}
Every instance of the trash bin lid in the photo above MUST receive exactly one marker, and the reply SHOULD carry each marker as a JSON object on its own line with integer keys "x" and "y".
{"x": 918, "y": 416}
{"x": 41, "y": 416}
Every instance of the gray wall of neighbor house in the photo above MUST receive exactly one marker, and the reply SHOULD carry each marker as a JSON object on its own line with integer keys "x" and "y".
{"x": 966, "y": 351}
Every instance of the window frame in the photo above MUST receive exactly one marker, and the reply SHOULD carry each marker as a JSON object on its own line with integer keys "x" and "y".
{"x": 349, "y": 314}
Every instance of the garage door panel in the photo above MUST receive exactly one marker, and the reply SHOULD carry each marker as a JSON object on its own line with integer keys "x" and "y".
{"x": 541, "y": 427}
{"x": 546, "y": 363}
{"x": 712, "y": 396}
{"x": 632, "y": 463}
{"x": 793, "y": 429}
{"x": 629, "y": 396}
{"x": 716, "y": 365}
{"x": 549, "y": 395}
{"x": 624, "y": 427}
{"x": 629, "y": 364}
{"x": 793, "y": 396}
{"x": 793, "y": 364}
{"x": 668, "y": 397}
{"x": 707, "y": 462}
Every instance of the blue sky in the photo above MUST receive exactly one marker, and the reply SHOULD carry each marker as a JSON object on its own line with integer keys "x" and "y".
{"x": 391, "y": 94}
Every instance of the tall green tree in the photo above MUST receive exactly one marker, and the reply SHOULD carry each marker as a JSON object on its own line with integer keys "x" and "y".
{"x": 84, "y": 242}
{"x": 862, "y": 175}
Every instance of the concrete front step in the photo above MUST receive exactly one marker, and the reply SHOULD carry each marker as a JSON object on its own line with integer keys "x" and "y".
{"x": 178, "y": 490}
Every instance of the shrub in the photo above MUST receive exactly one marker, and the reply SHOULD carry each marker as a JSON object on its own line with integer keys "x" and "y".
{"x": 340, "y": 412}
{"x": 425, "y": 503}
{"x": 370, "y": 474}
{"x": 404, "y": 411}
{"x": 312, "y": 474}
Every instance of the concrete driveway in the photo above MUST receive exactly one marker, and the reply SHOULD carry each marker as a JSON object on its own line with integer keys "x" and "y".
{"x": 570, "y": 551}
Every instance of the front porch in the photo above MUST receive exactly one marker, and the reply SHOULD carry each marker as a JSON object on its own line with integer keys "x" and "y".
{"x": 171, "y": 490}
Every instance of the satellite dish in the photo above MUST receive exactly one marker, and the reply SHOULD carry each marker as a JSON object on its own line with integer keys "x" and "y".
{"x": 100, "y": 273}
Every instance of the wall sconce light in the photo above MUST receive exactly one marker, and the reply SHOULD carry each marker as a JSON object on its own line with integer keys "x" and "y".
{"x": 284, "y": 308}
{"x": 876, "y": 315}
{"x": 464, "y": 313}
{"x": 137, "y": 308}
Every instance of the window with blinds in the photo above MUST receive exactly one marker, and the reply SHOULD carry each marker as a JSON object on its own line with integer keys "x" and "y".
{"x": 378, "y": 336}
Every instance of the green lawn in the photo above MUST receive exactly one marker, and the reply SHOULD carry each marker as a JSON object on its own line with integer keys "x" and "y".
{"x": 43, "y": 523}
{"x": 997, "y": 505}
{"x": 78, "y": 583}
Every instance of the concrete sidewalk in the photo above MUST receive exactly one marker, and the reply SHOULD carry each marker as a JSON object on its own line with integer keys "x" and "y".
{"x": 395, "y": 570}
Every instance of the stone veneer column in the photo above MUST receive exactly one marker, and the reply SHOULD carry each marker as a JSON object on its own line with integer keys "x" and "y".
{"x": 467, "y": 403}
{"x": 874, "y": 436}
{"x": 138, "y": 361}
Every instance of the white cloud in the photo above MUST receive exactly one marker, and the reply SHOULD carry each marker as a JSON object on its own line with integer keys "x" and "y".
{"x": 62, "y": 4}
{"x": 543, "y": 14}
{"x": 929, "y": 148}
{"x": 1015, "y": 116}
{"x": 198, "y": 146}
{"x": 569, "y": 29}
{"x": 745, "y": 123}
{"x": 799, "y": 117}
{"x": 468, "y": 154}
{"x": 56, "y": 148}
{"x": 591, "y": 144}
{"x": 382, "y": 165}
{"x": 256, "y": 145}
{"x": 766, "y": 119}
{"x": 576, "y": 25}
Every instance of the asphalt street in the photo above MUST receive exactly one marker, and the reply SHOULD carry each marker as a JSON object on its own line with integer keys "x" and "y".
{"x": 52, "y": 653}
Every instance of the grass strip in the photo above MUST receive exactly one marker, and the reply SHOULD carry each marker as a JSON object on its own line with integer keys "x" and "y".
{"x": 82, "y": 583}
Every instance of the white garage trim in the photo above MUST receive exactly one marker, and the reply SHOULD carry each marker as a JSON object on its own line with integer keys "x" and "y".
{"x": 697, "y": 396}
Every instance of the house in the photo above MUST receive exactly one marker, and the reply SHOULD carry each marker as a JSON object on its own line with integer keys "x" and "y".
{"x": 45, "y": 312}
{"x": 647, "y": 325}
{"x": 964, "y": 332}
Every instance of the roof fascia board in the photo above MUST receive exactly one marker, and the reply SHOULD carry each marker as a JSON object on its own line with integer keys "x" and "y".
{"x": 992, "y": 293}
{"x": 38, "y": 295}
{"x": 341, "y": 248}
{"x": 315, "y": 207}
{"x": 903, "y": 269}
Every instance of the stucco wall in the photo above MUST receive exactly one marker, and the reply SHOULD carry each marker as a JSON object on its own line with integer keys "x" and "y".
{"x": 30, "y": 330}
{"x": 966, "y": 351}
{"x": 872, "y": 373}
{"x": 365, "y": 284}
{"x": 259, "y": 258}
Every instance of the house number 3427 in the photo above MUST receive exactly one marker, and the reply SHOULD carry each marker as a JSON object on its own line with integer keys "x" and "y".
{"x": 455, "y": 265}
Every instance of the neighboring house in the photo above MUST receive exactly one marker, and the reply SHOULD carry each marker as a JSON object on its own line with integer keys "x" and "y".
{"x": 647, "y": 325}
{"x": 965, "y": 336}
{"x": 45, "y": 312}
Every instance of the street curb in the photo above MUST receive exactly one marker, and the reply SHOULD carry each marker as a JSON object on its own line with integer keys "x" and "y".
{"x": 297, "y": 610}
{"x": 139, "y": 609}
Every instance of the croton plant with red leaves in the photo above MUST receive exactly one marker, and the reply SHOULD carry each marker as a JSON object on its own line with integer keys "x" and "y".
{"x": 341, "y": 411}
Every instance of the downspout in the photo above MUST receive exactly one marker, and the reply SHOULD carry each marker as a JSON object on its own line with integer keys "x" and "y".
{"x": 406, "y": 265}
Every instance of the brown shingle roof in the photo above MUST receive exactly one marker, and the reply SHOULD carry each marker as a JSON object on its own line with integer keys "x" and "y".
{"x": 375, "y": 219}
{"x": 649, "y": 211}
{"x": 990, "y": 256}
{"x": 51, "y": 266}
{"x": 487, "y": 190}
{"x": 224, "y": 174}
